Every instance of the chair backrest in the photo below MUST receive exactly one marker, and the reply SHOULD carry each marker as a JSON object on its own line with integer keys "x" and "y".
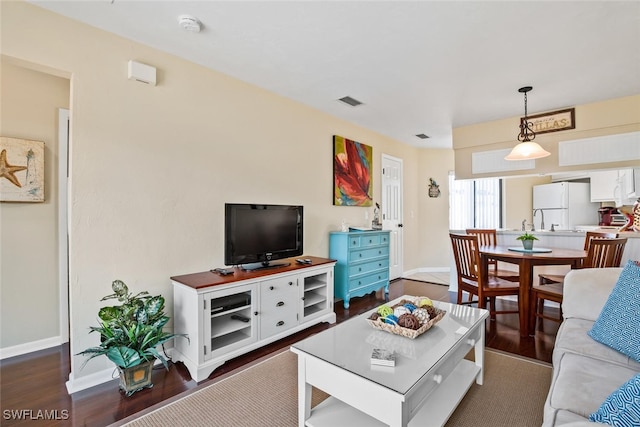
{"x": 605, "y": 253}
{"x": 465, "y": 252}
{"x": 596, "y": 235}
{"x": 486, "y": 236}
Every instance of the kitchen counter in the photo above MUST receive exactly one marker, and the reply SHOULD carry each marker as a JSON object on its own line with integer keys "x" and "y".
{"x": 571, "y": 240}
{"x": 574, "y": 233}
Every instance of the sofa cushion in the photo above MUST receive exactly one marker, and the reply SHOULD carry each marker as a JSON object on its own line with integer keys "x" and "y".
{"x": 618, "y": 325}
{"x": 586, "y": 290}
{"x": 572, "y": 337}
{"x": 622, "y": 407}
{"x": 581, "y": 384}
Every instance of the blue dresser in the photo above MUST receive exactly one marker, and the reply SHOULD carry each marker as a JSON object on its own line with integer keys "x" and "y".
{"x": 362, "y": 262}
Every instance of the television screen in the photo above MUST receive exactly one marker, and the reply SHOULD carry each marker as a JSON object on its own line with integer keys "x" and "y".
{"x": 258, "y": 234}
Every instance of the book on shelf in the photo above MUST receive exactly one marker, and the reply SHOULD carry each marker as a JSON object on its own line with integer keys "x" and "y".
{"x": 383, "y": 357}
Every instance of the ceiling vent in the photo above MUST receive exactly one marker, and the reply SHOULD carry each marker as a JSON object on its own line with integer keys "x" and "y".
{"x": 351, "y": 101}
{"x": 422, "y": 136}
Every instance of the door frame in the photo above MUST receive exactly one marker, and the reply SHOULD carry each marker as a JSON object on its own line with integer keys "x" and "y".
{"x": 63, "y": 223}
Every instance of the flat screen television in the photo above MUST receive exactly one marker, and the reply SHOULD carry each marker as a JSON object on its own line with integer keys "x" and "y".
{"x": 256, "y": 235}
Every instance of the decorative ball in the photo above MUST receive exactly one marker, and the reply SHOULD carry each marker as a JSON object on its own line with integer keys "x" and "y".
{"x": 409, "y": 321}
{"x": 425, "y": 302}
{"x": 385, "y": 310}
{"x": 433, "y": 312}
{"x": 410, "y": 306}
{"x": 391, "y": 319}
{"x": 399, "y": 311}
{"x": 374, "y": 316}
{"x": 421, "y": 314}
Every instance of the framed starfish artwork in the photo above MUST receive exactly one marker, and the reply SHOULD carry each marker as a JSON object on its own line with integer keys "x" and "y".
{"x": 21, "y": 170}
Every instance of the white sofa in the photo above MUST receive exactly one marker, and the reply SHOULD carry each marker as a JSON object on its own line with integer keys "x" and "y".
{"x": 585, "y": 372}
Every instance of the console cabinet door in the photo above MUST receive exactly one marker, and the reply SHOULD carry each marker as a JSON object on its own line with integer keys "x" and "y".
{"x": 316, "y": 294}
{"x": 229, "y": 319}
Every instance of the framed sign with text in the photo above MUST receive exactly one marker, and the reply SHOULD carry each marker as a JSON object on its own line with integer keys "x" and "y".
{"x": 552, "y": 121}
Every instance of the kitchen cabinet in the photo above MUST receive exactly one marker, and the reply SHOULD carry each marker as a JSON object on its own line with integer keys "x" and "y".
{"x": 615, "y": 185}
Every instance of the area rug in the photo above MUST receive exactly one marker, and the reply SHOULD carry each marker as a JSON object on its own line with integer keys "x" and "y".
{"x": 265, "y": 394}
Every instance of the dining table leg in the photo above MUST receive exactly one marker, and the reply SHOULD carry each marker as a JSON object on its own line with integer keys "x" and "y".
{"x": 526, "y": 277}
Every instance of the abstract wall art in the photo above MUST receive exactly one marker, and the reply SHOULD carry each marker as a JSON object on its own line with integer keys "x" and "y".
{"x": 352, "y": 166}
{"x": 21, "y": 170}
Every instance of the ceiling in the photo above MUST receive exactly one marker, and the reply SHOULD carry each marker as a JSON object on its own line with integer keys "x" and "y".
{"x": 417, "y": 66}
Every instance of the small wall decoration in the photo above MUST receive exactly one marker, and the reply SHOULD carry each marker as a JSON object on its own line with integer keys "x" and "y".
{"x": 352, "y": 185}
{"x": 21, "y": 170}
{"x": 552, "y": 121}
{"x": 434, "y": 188}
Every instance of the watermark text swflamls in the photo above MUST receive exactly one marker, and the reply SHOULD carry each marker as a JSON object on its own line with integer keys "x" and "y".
{"x": 35, "y": 414}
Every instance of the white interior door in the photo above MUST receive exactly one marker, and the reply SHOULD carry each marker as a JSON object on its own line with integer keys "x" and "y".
{"x": 392, "y": 211}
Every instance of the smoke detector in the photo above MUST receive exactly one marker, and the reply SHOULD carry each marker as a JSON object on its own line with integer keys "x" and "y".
{"x": 189, "y": 23}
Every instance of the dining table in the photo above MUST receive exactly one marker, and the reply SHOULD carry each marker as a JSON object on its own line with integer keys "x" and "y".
{"x": 526, "y": 260}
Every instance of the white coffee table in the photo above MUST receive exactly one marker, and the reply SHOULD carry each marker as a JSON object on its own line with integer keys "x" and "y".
{"x": 425, "y": 386}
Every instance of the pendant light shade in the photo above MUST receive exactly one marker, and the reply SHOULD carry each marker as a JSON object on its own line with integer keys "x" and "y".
{"x": 526, "y": 149}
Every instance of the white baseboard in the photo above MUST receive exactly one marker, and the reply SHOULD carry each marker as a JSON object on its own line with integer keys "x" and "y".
{"x": 30, "y": 347}
{"x": 426, "y": 270}
{"x": 91, "y": 380}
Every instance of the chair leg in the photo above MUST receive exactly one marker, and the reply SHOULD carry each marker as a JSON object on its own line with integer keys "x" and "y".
{"x": 459, "y": 295}
{"x": 539, "y": 306}
{"x": 533, "y": 309}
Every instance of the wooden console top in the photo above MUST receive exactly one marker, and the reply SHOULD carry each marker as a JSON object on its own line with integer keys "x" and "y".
{"x": 206, "y": 279}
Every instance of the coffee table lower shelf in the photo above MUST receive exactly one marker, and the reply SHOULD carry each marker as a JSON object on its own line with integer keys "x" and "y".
{"x": 436, "y": 410}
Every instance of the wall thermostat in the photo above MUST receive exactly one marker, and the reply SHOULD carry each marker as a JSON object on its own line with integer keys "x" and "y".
{"x": 142, "y": 73}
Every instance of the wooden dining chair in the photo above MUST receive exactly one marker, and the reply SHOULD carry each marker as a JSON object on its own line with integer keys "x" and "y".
{"x": 602, "y": 252}
{"x": 467, "y": 257}
{"x": 489, "y": 237}
{"x": 545, "y": 279}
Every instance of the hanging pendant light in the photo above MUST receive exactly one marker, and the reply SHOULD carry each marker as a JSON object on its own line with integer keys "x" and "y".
{"x": 526, "y": 149}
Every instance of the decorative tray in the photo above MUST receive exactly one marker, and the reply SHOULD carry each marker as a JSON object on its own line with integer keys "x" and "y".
{"x": 422, "y": 315}
{"x": 529, "y": 251}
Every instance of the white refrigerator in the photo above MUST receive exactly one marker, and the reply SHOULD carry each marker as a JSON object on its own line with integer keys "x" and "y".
{"x": 565, "y": 204}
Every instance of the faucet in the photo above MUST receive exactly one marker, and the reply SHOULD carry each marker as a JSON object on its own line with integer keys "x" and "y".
{"x": 553, "y": 227}
{"x": 524, "y": 225}
{"x": 542, "y": 220}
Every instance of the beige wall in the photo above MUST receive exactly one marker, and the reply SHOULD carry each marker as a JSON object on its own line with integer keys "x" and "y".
{"x": 29, "y": 302}
{"x": 151, "y": 167}
{"x": 434, "y": 244}
{"x": 518, "y": 199}
{"x": 609, "y": 117}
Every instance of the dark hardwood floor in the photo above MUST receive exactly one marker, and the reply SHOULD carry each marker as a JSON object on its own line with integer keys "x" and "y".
{"x": 32, "y": 386}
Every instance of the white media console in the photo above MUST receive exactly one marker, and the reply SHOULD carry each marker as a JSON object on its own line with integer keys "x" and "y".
{"x": 226, "y": 316}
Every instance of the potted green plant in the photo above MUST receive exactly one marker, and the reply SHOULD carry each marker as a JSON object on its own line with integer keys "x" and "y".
{"x": 527, "y": 240}
{"x": 130, "y": 334}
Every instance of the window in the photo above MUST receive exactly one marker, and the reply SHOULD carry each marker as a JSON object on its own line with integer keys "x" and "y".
{"x": 475, "y": 203}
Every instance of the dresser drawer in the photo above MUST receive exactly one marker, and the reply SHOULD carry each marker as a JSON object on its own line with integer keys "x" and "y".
{"x": 367, "y": 267}
{"x": 361, "y": 282}
{"x": 367, "y": 240}
{"x": 277, "y": 320}
{"x": 364, "y": 254}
